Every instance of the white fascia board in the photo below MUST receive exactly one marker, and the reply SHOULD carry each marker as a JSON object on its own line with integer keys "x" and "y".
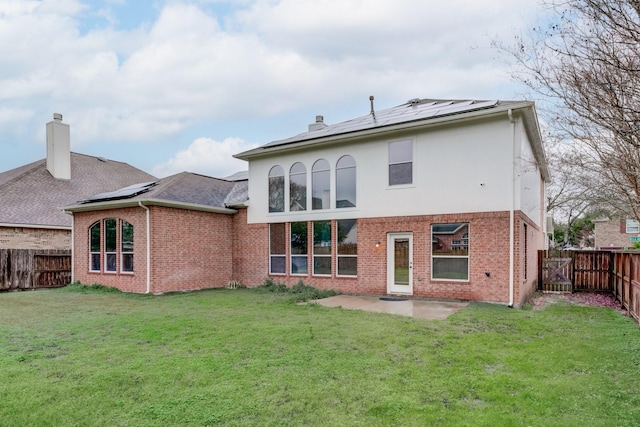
{"x": 118, "y": 204}
{"x": 419, "y": 124}
{"x": 39, "y": 226}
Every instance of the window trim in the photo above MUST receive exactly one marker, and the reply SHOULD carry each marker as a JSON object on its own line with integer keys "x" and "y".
{"x": 632, "y": 226}
{"x": 339, "y": 256}
{"x": 122, "y": 251}
{"x": 302, "y": 173}
{"x": 292, "y": 255}
{"x": 355, "y": 179}
{"x": 271, "y": 176}
{"x": 313, "y": 249}
{"x": 316, "y": 171}
{"x": 447, "y": 256}
{"x": 283, "y": 255}
{"x": 390, "y": 163}
{"x": 99, "y": 252}
{"x": 114, "y": 253}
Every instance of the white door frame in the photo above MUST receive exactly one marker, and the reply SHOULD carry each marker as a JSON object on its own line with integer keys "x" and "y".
{"x": 405, "y": 288}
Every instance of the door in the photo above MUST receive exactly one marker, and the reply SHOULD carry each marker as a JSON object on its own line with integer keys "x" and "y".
{"x": 400, "y": 263}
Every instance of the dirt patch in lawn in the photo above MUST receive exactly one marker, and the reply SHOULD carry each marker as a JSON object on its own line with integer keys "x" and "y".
{"x": 541, "y": 300}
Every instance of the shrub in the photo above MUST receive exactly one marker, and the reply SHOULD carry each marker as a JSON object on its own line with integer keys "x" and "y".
{"x": 95, "y": 287}
{"x": 298, "y": 292}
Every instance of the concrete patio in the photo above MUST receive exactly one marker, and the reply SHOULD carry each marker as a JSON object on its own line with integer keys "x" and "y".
{"x": 424, "y": 309}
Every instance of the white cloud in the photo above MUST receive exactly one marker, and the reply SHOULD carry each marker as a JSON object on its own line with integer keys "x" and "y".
{"x": 207, "y": 157}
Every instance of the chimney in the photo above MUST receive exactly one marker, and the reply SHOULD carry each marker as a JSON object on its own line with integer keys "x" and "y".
{"x": 58, "y": 148}
{"x": 319, "y": 124}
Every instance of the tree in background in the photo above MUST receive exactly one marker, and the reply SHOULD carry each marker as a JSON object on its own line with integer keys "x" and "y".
{"x": 583, "y": 66}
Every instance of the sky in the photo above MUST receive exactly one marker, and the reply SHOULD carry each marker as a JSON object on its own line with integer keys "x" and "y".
{"x": 181, "y": 85}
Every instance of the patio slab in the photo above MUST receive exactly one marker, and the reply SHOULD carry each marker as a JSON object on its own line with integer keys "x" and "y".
{"x": 424, "y": 309}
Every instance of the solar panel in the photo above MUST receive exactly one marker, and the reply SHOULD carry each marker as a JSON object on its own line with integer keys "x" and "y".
{"x": 122, "y": 193}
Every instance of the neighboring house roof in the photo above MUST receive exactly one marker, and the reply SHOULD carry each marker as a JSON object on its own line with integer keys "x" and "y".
{"x": 415, "y": 113}
{"x": 184, "y": 190}
{"x": 32, "y": 197}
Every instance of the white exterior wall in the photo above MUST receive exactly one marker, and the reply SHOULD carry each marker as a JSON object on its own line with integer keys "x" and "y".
{"x": 457, "y": 168}
{"x": 531, "y": 185}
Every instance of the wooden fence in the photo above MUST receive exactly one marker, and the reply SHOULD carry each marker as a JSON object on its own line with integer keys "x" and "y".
{"x": 593, "y": 271}
{"x": 22, "y": 269}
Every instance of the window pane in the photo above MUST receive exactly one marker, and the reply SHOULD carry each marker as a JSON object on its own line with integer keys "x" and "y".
{"x": 298, "y": 187}
{"x": 299, "y": 238}
{"x": 400, "y": 151}
{"x": 450, "y": 239}
{"x": 127, "y": 237}
{"x": 278, "y": 264}
{"x": 277, "y": 239}
{"x": 276, "y": 189}
{"x": 95, "y": 262}
{"x": 322, "y": 265}
{"x": 299, "y": 264}
{"x": 320, "y": 183}
{"x": 451, "y": 268}
{"x": 346, "y": 187}
{"x": 347, "y": 266}
{"x": 401, "y": 173}
{"x": 346, "y": 162}
{"x": 347, "y": 237}
{"x": 322, "y": 238}
{"x": 110, "y": 235}
{"x": 95, "y": 238}
{"x": 127, "y": 262}
{"x": 111, "y": 262}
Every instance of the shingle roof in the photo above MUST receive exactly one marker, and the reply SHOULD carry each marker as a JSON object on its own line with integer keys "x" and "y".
{"x": 184, "y": 189}
{"x": 29, "y": 195}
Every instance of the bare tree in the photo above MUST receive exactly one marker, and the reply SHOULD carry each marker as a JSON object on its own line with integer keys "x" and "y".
{"x": 583, "y": 65}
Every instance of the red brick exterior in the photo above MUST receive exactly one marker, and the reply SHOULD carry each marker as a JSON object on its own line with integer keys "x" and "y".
{"x": 195, "y": 250}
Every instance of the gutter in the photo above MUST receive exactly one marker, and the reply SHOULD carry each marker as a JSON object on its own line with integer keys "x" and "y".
{"x": 148, "y": 225}
{"x": 512, "y": 208}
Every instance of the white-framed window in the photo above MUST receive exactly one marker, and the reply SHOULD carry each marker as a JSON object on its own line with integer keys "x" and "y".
{"x": 94, "y": 247}
{"x": 346, "y": 182}
{"x": 347, "y": 247}
{"x": 401, "y": 162}
{"x": 321, "y": 185}
{"x": 276, "y": 189}
{"x": 299, "y": 248}
{"x": 297, "y": 187}
{"x": 126, "y": 247}
{"x": 322, "y": 248}
{"x": 277, "y": 248}
{"x": 450, "y": 251}
{"x": 110, "y": 245}
{"x": 633, "y": 226}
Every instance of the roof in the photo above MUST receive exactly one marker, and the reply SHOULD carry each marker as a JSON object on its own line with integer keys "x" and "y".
{"x": 414, "y": 113}
{"x": 183, "y": 190}
{"x": 31, "y": 196}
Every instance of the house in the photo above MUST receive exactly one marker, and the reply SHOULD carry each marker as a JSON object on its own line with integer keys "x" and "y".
{"x": 616, "y": 234}
{"x": 432, "y": 198}
{"x": 32, "y": 195}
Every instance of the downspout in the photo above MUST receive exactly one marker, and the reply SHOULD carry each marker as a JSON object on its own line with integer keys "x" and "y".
{"x": 511, "y": 208}
{"x": 148, "y": 246}
{"x": 73, "y": 227}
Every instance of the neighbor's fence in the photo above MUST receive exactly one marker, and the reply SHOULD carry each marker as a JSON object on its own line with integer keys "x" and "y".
{"x": 22, "y": 269}
{"x": 593, "y": 271}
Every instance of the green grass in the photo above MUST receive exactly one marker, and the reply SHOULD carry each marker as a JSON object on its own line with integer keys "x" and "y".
{"x": 86, "y": 357}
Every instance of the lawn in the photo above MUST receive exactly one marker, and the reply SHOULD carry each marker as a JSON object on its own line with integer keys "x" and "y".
{"x": 239, "y": 358}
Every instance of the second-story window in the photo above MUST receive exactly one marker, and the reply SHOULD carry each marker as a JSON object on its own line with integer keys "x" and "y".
{"x": 401, "y": 162}
{"x": 320, "y": 184}
{"x": 346, "y": 182}
{"x": 276, "y": 189}
{"x": 298, "y": 187}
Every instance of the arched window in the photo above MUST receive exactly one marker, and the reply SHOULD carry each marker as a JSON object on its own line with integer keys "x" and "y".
{"x": 298, "y": 187}
{"x": 126, "y": 247}
{"x": 276, "y": 189}
{"x": 321, "y": 192}
{"x": 110, "y": 248}
{"x": 94, "y": 247}
{"x": 346, "y": 182}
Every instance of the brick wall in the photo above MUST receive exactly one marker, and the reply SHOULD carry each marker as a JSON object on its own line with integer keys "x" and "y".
{"x": 489, "y": 252}
{"x": 34, "y": 238}
{"x": 129, "y": 282}
{"x": 190, "y": 249}
{"x": 612, "y": 235}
